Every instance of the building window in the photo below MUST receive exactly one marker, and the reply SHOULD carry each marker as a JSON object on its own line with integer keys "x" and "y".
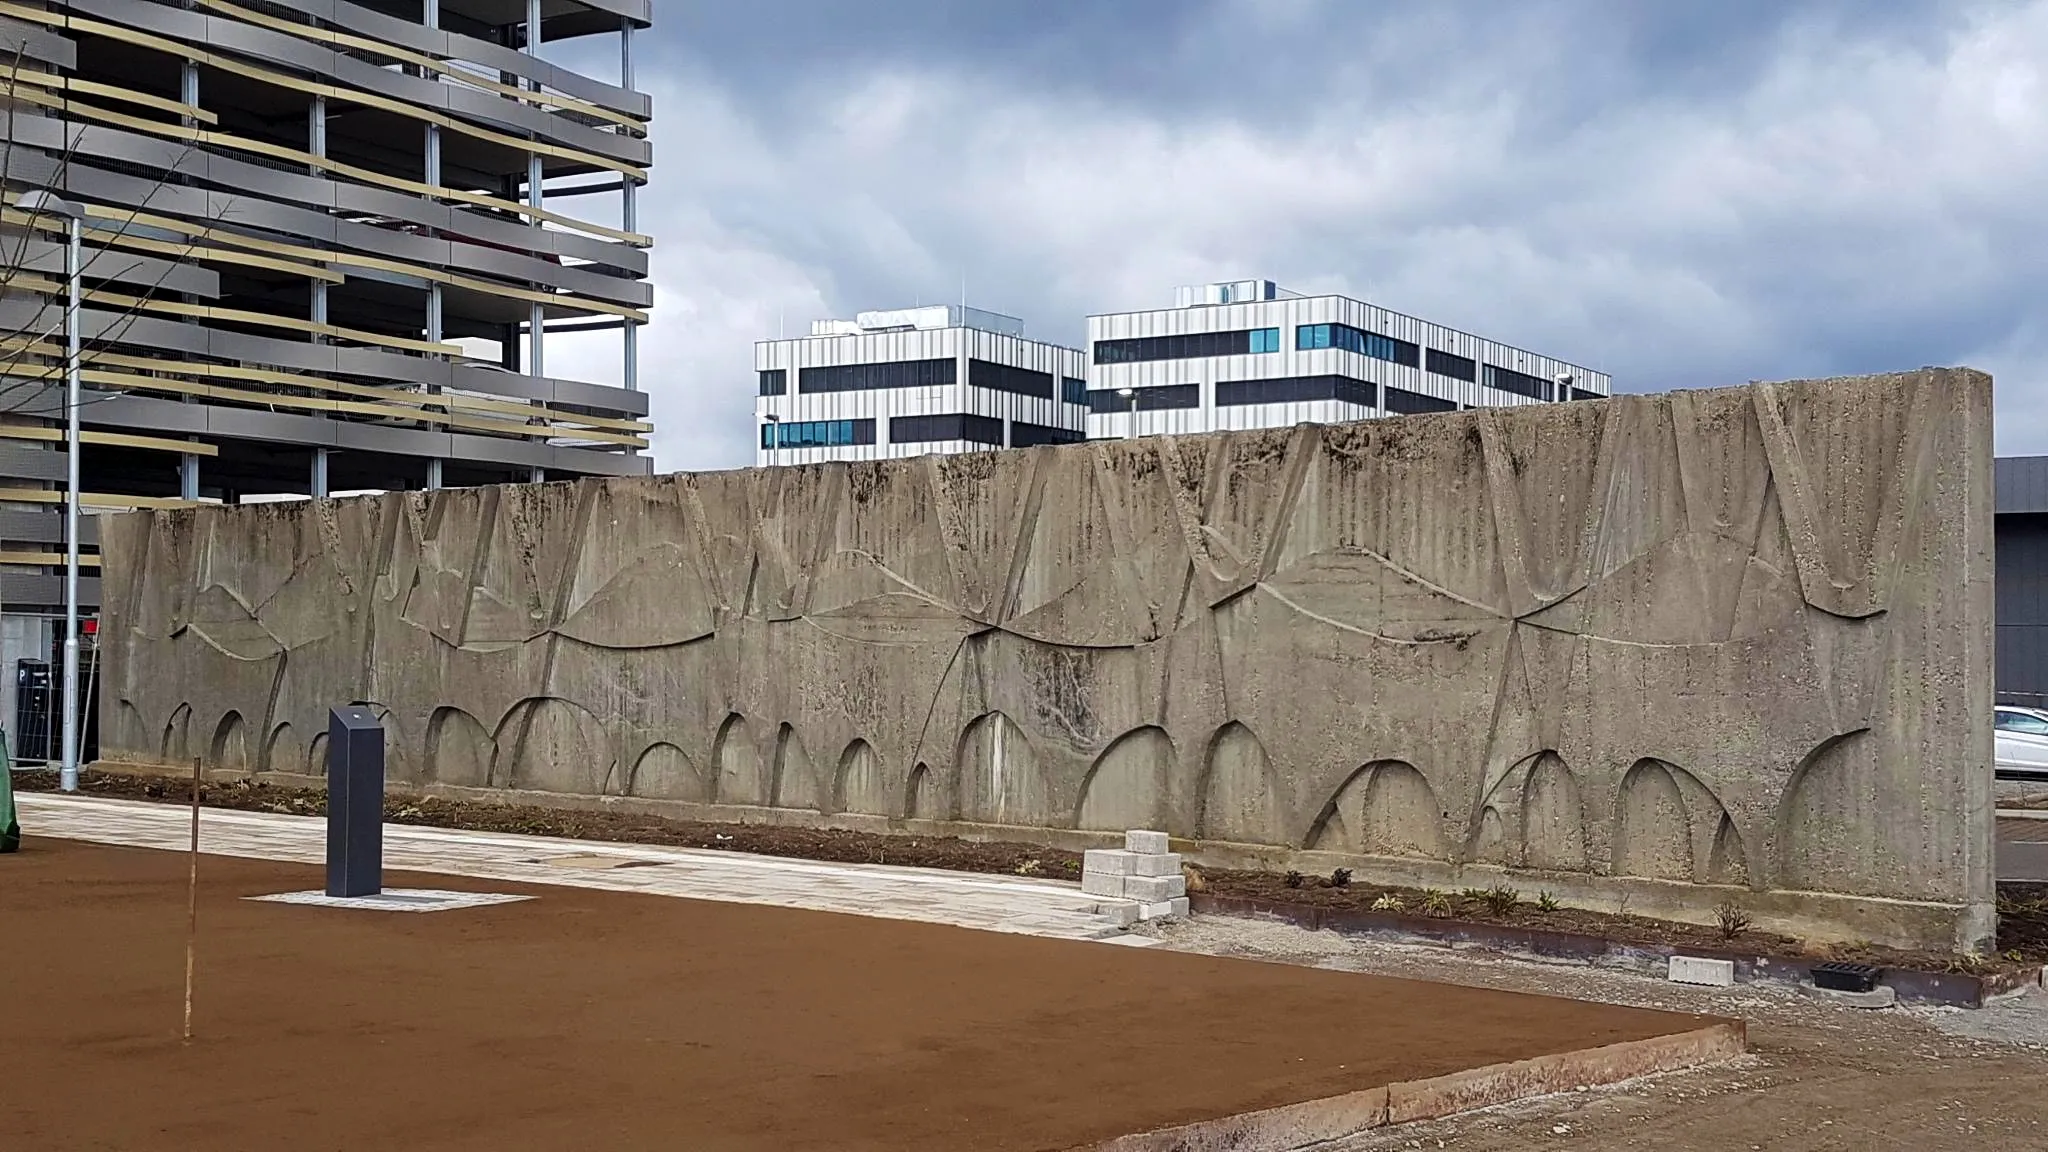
{"x": 1024, "y": 435}
{"x": 774, "y": 381}
{"x": 894, "y": 374}
{"x": 954, "y": 426}
{"x": 1295, "y": 389}
{"x": 1155, "y": 399}
{"x": 1581, "y": 394}
{"x": 817, "y": 433}
{"x": 1403, "y": 402}
{"x": 1456, "y": 367}
{"x": 1185, "y": 347}
{"x": 1004, "y": 378}
{"x": 1520, "y": 383}
{"x": 1074, "y": 391}
{"x": 1265, "y": 340}
{"x": 1349, "y": 339}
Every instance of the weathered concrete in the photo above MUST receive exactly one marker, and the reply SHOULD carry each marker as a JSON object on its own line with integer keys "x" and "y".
{"x": 1738, "y": 639}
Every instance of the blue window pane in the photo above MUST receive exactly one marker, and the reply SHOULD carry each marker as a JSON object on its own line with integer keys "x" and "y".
{"x": 767, "y": 435}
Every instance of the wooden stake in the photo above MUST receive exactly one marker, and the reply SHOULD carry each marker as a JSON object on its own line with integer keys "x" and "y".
{"x": 192, "y": 904}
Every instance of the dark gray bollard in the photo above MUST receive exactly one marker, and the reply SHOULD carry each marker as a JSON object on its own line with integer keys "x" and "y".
{"x": 355, "y": 802}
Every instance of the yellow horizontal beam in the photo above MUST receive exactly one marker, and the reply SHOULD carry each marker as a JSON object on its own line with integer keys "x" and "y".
{"x": 378, "y": 263}
{"x": 397, "y": 403}
{"x": 95, "y": 88}
{"x": 437, "y": 64}
{"x": 91, "y": 499}
{"x": 229, "y": 64}
{"x": 115, "y": 238}
{"x": 235, "y": 315}
{"x": 85, "y": 560}
{"x": 111, "y": 439}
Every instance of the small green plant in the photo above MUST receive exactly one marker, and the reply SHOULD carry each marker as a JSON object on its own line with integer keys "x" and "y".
{"x": 1436, "y": 903}
{"x": 1501, "y": 899}
{"x": 1292, "y": 879}
{"x": 1734, "y": 921}
{"x": 1030, "y": 868}
{"x": 1546, "y": 902}
{"x": 1476, "y": 895}
{"x": 1388, "y": 902}
{"x": 1341, "y": 878}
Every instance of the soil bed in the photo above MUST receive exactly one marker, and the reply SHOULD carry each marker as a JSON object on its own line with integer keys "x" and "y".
{"x": 586, "y": 1019}
{"x": 2022, "y": 940}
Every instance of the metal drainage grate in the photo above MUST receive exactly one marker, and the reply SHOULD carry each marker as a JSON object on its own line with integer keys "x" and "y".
{"x": 1841, "y": 976}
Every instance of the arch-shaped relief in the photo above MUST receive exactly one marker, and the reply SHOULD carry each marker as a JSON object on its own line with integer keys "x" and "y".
{"x": 1728, "y": 862}
{"x": 920, "y": 794}
{"x": 999, "y": 778}
{"x": 316, "y": 754}
{"x": 1553, "y": 817}
{"x": 1653, "y": 836}
{"x": 229, "y": 749}
{"x": 664, "y": 771}
{"x": 795, "y": 783}
{"x": 740, "y": 779}
{"x": 176, "y": 745}
{"x": 1815, "y": 841}
{"x": 281, "y": 750}
{"x": 1126, "y": 787}
{"x": 1386, "y": 808}
{"x": 548, "y": 744}
{"x": 131, "y": 733}
{"x": 1240, "y": 796}
{"x": 857, "y": 785}
{"x": 459, "y": 750}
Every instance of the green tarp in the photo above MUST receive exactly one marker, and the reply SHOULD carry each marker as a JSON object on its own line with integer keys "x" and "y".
{"x": 10, "y": 828}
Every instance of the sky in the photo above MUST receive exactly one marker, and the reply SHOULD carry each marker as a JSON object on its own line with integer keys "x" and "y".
{"x": 1679, "y": 194}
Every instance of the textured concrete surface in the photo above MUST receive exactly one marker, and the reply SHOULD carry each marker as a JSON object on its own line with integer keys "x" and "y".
{"x": 1662, "y": 650}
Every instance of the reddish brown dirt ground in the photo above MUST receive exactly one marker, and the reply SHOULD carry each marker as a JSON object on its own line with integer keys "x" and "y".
{"x": 604, "y": 1020}
{"x": 2021, "y": 943}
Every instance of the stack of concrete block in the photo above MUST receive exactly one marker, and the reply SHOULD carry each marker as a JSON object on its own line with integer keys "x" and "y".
{"x": 1142, "y": 879}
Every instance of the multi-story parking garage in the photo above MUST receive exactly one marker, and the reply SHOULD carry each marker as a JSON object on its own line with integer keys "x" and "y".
{"x": 326, "y": 247}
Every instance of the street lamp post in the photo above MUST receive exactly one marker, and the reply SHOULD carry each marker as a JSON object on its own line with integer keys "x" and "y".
{"x": 774, "y": 439}
{"x": 47, "y": 203}
{"x": 1130, "y": 426}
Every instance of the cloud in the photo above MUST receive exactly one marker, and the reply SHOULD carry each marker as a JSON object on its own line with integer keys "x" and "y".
{"x": 1779, "y": 191}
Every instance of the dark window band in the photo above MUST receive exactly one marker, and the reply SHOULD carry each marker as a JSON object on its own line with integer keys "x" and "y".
{"x": 1023, "y": 435}
{"x": 1185, "y": 347}
{"x": 1293, "y": 389}
{"x": 893, "y": 374}
{"x": 774, "y": 381}
{"x": 1401, "y": 401}
{"x": 952, "y": 426}
{"x": 1450, "y": 364}
{"x": 1155, "y": 399}
{"x": 1311, "y": 336}
{"x": 1004, "y": 378}
{"x": 1520, "y": 383}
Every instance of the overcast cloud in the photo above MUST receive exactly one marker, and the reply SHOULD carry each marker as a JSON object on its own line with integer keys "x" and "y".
{"x": 1681, "y": 194}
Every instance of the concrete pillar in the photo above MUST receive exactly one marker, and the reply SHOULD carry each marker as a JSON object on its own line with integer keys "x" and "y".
{"x": 434, "y": 475}
{"x": 629, "y": 217}
{"x": 188, "y": 476}
{"x": 316, "y": 137}
{"x": 319, "y": 480}
{"x": 538, "y": 476}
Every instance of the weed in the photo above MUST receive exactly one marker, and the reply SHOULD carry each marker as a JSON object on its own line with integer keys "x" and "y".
{"x": 1501, "y": 899}
{"x": 1388, "y": 903}
{"x": 1476, "y": 895}
{"x": 1546, "y": 902}
{"x": 1030, "y": 868}
{"x": 1435, "y": 903}
{"x": 1195, "y": 880}
{"x": 1293, "y": 879}
{"x": 1734, "y": 921}
{"x": 1341, "y": 878}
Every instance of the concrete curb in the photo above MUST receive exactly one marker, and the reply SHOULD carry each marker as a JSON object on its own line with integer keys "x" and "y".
{"x": 1312, "y": 1122}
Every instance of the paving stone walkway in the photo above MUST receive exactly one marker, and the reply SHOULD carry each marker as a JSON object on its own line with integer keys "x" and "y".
{"x": 966, "y": 900}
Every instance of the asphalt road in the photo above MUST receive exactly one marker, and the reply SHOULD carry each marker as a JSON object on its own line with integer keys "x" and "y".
{"x": 2022, "y": 849}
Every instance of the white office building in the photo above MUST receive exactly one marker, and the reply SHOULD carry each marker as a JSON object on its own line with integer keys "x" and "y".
{"x": 1248, "y": 354}
{"x": 946, "y": 378}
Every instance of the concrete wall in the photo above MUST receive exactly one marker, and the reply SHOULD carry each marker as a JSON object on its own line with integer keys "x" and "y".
{"x": 1658, "y": 651}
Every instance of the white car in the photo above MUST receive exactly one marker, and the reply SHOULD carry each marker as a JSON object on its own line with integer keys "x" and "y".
{"x": 2022, "y": 739}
